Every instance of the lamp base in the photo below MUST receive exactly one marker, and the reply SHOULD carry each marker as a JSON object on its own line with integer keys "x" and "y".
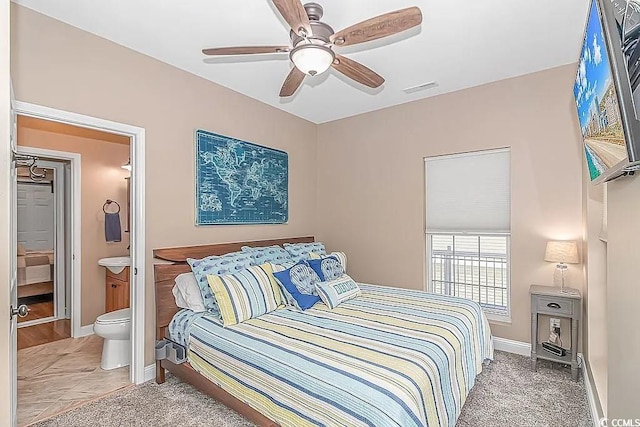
{"x": 562, "y": 267}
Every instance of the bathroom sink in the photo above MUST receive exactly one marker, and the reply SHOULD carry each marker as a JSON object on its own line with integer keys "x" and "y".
{"x": 115, "y": 264}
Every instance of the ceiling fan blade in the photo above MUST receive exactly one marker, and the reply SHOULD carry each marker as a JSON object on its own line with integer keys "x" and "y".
{"x": 378, "y": 27}
{"x": 246, "y": 50}
{"x": 293, "y": 12}
{"x": 358, "y": 72}
{"x": 292, "y": 82}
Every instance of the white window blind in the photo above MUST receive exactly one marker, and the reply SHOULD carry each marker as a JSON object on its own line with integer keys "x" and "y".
{"x": 469, "y": 192}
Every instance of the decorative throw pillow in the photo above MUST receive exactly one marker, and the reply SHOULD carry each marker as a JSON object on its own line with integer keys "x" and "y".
{"x": 304, "y": 250}
{"x": 273, "y": 254}
{"x": 216, "y": 265}
{"x": 246, "y": 294}
{"x": 298, "y": 285}
{"x": 335, "y": 292}
{"x": 342, "y": 257}
{"x": 327, "y": 268}
{"x": 290, "y": 300}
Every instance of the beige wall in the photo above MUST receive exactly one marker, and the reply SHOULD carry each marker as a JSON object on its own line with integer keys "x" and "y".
{"x": 93, "y": 76}
{"x": 102, "y": 178}
{"x": 623, "y": 299}
{"x": 371, "y": 201}
{"x": 5, "y": 242}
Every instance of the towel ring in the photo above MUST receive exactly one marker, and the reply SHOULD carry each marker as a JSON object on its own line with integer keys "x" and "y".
{"x": 108, "y": 203}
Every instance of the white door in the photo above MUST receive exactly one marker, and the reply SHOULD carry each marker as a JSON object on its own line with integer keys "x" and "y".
{"x": 13, "y": 256}
{"x": 36, "y": 216}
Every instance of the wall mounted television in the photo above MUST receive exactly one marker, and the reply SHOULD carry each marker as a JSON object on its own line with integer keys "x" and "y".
{"x": 607, "y": 89}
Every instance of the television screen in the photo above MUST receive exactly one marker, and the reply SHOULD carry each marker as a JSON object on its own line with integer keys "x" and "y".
{"x": 597, "y": 101}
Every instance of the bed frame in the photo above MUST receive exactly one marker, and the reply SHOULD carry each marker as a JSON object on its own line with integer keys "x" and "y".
{"x": 166, "y": 308}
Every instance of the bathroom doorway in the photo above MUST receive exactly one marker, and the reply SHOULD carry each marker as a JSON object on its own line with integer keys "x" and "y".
{"x": 78, "y": 375}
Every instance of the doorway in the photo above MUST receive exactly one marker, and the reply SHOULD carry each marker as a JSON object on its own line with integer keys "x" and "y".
{"x": 136, "y": 372}
{"x": 43, "y": 252}
{"x": 67, "y": 379}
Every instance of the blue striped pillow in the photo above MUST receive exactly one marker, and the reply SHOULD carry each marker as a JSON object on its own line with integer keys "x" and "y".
{"x": 246, "y": 294}
{"x": 225, "y": 264}
{"x": 335, "y": 292}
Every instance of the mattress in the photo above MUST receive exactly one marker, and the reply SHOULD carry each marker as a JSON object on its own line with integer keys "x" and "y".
{"x": 35, "y": 267}
{"x": 392, "y": 357}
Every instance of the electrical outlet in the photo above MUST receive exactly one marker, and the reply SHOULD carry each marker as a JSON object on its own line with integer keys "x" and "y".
{"x": 553, "y": 324}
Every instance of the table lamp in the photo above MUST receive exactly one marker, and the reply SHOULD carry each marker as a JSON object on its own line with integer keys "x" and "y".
{"x": 563, "y": 252}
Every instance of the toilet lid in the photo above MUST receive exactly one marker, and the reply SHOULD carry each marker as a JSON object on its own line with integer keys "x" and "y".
{"x": 118, "y": 316}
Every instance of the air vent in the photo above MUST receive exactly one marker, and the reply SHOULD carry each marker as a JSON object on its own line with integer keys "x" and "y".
{"x": 423, "y": 86}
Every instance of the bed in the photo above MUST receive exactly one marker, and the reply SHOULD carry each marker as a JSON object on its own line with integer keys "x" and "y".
{"x": 35, "y": 272}
{"x": 392, "y": 357}
{"x": 35, "y": 267}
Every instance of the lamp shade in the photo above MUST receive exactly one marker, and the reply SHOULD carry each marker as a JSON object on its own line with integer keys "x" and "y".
{"x": 312, "y": 59}
{"x": 565, "y": 251}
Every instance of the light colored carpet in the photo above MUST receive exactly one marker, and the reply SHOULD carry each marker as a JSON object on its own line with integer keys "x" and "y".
{"x": 507, "y": 393}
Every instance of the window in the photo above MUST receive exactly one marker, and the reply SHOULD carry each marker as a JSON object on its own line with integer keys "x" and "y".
{"x": 471, "y": 266}
{"x": 468, "y": 227}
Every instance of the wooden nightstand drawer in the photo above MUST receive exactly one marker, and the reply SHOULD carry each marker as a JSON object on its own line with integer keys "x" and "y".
{"x": 552, "y": 306}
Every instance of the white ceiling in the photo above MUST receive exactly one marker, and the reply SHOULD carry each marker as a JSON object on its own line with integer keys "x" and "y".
{"x": 460, "y": 44}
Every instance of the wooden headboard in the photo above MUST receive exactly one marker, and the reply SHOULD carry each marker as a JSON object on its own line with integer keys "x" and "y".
{"x": 165, "y": 274}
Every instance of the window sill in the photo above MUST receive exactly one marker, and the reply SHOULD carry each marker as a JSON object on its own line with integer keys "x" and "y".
{"x": 498, "y": 318}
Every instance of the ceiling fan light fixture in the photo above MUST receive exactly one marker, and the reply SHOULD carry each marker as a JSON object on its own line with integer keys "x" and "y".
{"x": 312, "y": 59}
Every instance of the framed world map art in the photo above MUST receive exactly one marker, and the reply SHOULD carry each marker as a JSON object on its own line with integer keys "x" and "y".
{"x": 238, "y": 182}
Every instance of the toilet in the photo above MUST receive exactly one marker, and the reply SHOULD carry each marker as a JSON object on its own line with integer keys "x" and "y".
{"x": 115, "y": 328}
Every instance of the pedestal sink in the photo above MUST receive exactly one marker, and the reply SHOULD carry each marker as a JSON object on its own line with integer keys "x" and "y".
{"x": 115, "y": 264}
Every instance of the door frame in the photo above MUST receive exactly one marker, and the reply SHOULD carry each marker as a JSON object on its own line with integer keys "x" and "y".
{"x": 75, "y": 216}
{"x": 137, "y": 152}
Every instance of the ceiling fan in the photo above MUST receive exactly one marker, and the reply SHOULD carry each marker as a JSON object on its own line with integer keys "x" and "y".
{"x": 312, "y": 42}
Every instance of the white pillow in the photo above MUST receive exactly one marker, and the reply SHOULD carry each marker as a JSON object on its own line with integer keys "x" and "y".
{"x": 187, "y": 293}
{"x": 180, "y": 302}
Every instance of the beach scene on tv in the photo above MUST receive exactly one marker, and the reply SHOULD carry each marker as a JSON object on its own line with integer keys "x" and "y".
{"x": 597, "y": 102}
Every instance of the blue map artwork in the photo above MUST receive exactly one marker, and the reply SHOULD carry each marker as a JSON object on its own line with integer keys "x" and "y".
{"x": 239, "y": 183}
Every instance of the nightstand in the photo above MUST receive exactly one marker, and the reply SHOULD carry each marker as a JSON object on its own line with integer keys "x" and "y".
{"x": 550, "y": 301}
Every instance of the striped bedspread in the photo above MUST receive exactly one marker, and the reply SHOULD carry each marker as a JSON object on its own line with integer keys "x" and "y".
{"x": 392, "y": 357}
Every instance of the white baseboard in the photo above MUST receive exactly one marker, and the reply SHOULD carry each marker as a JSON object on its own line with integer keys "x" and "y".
{"x": 85, "y": 331}
{"x": 511, "y": 346}
{"x": 149, "y": 372}
{"x": 591, "y": 394}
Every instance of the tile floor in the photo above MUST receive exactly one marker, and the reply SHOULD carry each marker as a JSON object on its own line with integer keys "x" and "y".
{"x": 56, "y": 377}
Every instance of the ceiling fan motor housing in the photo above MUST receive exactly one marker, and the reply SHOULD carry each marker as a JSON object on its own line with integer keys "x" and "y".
{"x": 314, "y": 11}
{"x": 321, "y": 34}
